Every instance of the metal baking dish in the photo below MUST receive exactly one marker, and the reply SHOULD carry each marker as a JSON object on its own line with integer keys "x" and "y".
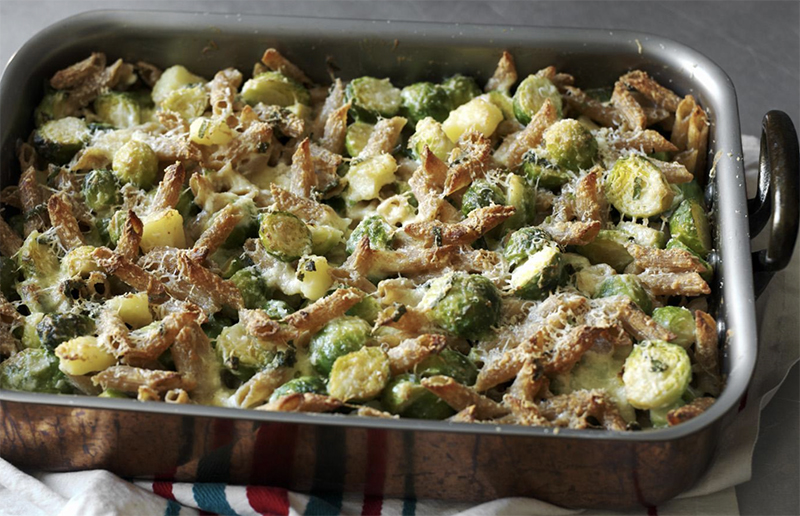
{"x": 409, "y": 458}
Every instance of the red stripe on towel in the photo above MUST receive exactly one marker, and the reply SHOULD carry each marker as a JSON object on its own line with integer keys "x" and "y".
{"x": 268, "y": 500}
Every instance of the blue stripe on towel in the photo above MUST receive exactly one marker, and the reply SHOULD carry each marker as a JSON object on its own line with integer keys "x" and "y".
{"x": 211, "y": 497}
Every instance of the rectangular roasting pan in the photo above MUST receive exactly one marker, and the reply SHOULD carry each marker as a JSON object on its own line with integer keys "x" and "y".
{"x": 392, "y": 458}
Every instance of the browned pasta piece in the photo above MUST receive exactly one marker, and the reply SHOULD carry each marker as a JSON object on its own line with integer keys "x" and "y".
{"x": 60, "y": 211}
{"x": 466, "y": 415}
{"x": 648, "y": 87}
{"x": 303, "y": 402}
{"x": 574, "y": 410}
{"x": 706, "y": 353}
{"x": 304, "y": 180}
{"x": 130, "y": 273}
{"x": 333, "y": 101}
{"x": 666, "y": 260}
{"x": 26, "y": 155}
{"x": 275, "y": 61}
{"x": 169, "y": 189}
{"x": 10, "y": 241}
{"x": 352, "y": 278}
{"x": 384, "y": 137}
{"x": 661, "y": 283}
{"x": 150, "y": 74}
{"x": 178, "y": 396}
{"x": 477, "y": 223}
{"x": 173, "y": 147}
{"x": 471, "y": 164}
{"x": 690, "y": 135}
{"x": 569, "y": 349}
{"x": 32, "y": 202}
{"x": 367, "y": 411}
{"x": 505, "y": 366}
{"x": 529, "y": 382}
{"x": 150, "y": 342}
{"x": 145, "y": 393}
{"x": 191, "y": 351}
{"x": 689, "y": 411}
{"x": 505, "y": 75}
{"x": 223, "y": 92}
{"x": 74, "y": 75}
{"x": 258, "y": 389}
{"x": 335, "y": 130}
{"x": 326, "y": 164}
{"x": 531, "y": 136}
{"x": 130, "y": 237}
{"x": 9, "y": 196}
{"x": 427, "y": 185}
{"x": 130, "y": 379}
{"x": 590, "y": 201}
{"x": 287, "y": 122}
{"x": 459, "y": 397}
{"x": 636, "y": 322}
{"x": 224, "y": 292}
{"x": 631, "y": 112}
{"x": 307, "y": 209}
{"x": 525, "y": 412}
{"x": 578, "y": 100}
{"x": 673, "y": 171}
{"x": 560, "y": 80}
{"x": 573, "y": 233}
{"x": 220, "y": 229}
{"x": 411, "y": 352}
{"x": 647, "y": 141}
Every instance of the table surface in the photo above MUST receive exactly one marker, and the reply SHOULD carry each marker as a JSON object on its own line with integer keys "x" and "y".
{"x": 756, "y": 43}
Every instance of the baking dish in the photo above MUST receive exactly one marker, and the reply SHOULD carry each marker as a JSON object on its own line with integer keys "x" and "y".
{"x": 408, "y": 458}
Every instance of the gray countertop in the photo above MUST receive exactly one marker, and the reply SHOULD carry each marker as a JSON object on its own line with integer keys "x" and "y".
{"x": 756, "y": 43}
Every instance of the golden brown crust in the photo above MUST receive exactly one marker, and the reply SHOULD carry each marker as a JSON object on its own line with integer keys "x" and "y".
{"x": 662, "y": 283}
{"x": 574, "y": 410}
{"x": 471, "y": 164}
{"x": 303, "y": 402}
{"x": 505, "y": 75}
{"x": 706, "y": 353}
{"x": 130, "y": 237}
{"x": 60, "y": 211}
{"x": 648, "y": 87}
{"x": 218, "y": 231}
{"x": 689, "y": 411}
{"x": 384, "y": 137}
{"x": 411, "y": 352}
{"x": 129, "y": 379}
{"x": 10, "y": 241}
{"x": 531, "y": 136}
{"x": 275, "y": 61}
{"x": 477, "y": 223}
{"x": 130, "y": 273}
{"x": 169, "y": 189}
{"x": 335, "y": 130}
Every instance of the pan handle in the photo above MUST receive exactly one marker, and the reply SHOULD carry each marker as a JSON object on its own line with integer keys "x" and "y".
{"x": 778, "y": 197}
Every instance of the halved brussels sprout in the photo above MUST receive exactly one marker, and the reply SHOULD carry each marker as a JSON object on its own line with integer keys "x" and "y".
{"x": 244, "y": 355}
{"x": 503, "y": 102}
{"x": 339, "y": 337}
{"x": 405, "y": 396}
{"x": 674, "y": 243}
{"x": 531, "y": 94}
{"x": 119, "y": 109}
{"x": 643, "y": 235}
{"x": 689, "y": 224}
{"x": 254, "y": 289}
{"x": 54, "y": 329}
{"x": 302, "y": 384}
{"x": 460, "y": 89}
{"x": 368, "y": 309}
{"x": 607, "y": 247}
{"x": 429, "y": 132}
{"x": 376, "y": 229}
{"x": 136, "y": 163}
{"x": 34, "y": 370}
{"x": 524, "y": 243}
{"x": 589, "y": 279}
{"x": 36, "y": 259}
{"x": 448, "y": 362}
{"x": 637, "y": 188}
{"x": 466, "y": 305}
{"x": 570, "y": 145}
{"x": 357, "y": 137}
{"x": 372, "y": 98}
{"x": 423, "y": 100}
{"x": 53, "y": 106}
{"x": 274, "y": 89}
{"x": 679, "y": 321}
{"x": 692, "y": 191}
{"x": 543, "y": 174}
{"x": 101, "y": 190}
{"x": 189, "y": 102}
{"x": 626, "y": 285}
{"x": 656, "y": 374}
{"x": 480, "y": 194}
{"x": 538, "y": 275}
{"x": 277, "y": 309}
{"x": 360, "y": 375}
{"x": 522, "y": 197}
{"x": 59, "y": 140}
{"x": 285, "y": 236}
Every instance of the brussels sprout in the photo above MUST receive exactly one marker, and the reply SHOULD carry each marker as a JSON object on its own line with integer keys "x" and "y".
{"x": 689, "y": 224}
{"x": 186, "y": 206}
{"x": 9, "y": 274}
{"x": 656, "y": 374}
{"x": 626, "y": 285}
{"x": 54, "y": 329}
{"x": 538, "y": 275}
{"x": 252, "y": 286}
{"x": 429, "y": 133}
{"x": 34, "y": 370}
{"x": 692, "y": 191}
{"x": 679, "y": 321}
{"x": 643, "y": 235}
{"x": 244, "y": 355}
{"x": 246, "y": 228}
{"x": 112, "y": 393}
{"x": 101, "y": 190}
{"x": 368, "y": 309}
{"x": 36, "y": 259}
{"x": 52, "y": 107}
{"x": 423, "y": 100}
{"x": 524, "y": 243}
{"x": 59, "y": 140}
{"x": 460, "y": 89}
{"x": 366, "y": 177}
{"x": 115, "y": 225}
{"x": 708, "y": 275}
{"x": 277, "y": 309}
{"x": 380, "y": 234}
{"x": 357, "y": 137}
{"x": 448, "y": 362}
{"x": 466, "y": 305}
{"x": 503, "y": 102}
{"x": 481, "y": 193}
{"x": 324, "y": 238}
{"x": 405, "y": 396}
{"x": 522, "y": 197}
{"x": 339, "y": 337}
{"x": 215, "y": 324}
{"x": 543, "y": 174}
{"x": 189, "y": 102}
{"x": 588, "y": 279}
{"x": 531, "y": 94}
{"x": 477, "y": 115}
{"x": 302, "y": 384}
{"x": 173, "y": 78}
{"x": 608, "y": 247}
{"x": 360, "y": 375}
{"x": 637, "y": 188}
{"x": 285, "y": 236}
{"x": 571, "y": 264}
{"x": 274, "y": 89}
{"x": 372, "y": 98}
{"x": 118, "y": 109}
{"x": 136, "y": 163}
{"x": 570, "y": 145}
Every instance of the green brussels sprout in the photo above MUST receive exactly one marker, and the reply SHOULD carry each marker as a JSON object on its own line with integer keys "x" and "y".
{"x": 637, "y": 188}
{"x": 448, "y": 362}
{"x": 368, "y": 309}
{"x": 692, "y": 191}
{"x": 53, "y": 106}
{"x": 379, "y": 232}
{"x": 9, "y": 273}
{"x": 186, "y": 206}
{"x": 543, "y": 174}
{"x": 119, "y": 109}
{"x": 602, "y": 94}
{"x": 423, "y": 100}
{"x": 36, "y": 258}
{"x": 522, "y": 197}
{"x": 481, "y": 193}
{"x": 429, "y": 132}
{"x": 246, "y": 228}
{"x": 656, "y": 374}
{"x": 503, "y": 102}
{"x": 360, "y": 375}
{"x": 643, "y": 235}
{"x": 372, "y": 98}
{"x": 531, "y": 94}
{"x": 607, "y": 247}
{"x": 466, "y": 305}
{"x": 136, "y": 163}
{"x": 570, "y": 145}
{"x": 538, "y": 275}
{"x": 689, "y": 224}
{"x": 59, "y": 140}
{"x": 275, "y": 89}
{"x": 339, "y": 337}
{"x": 405, "y": 396}
{"x": 626, "y": 285}
{"x": 34, "y": 370}
{"x": 254, "y": 289}
{"x": 115, "y": 225}
{"x": 112, "y": 393}
{"x": 215, "y": 324}
{"x": 189, "y": 102}
{"x": 284, "y": 236}
{"x": 302, "y": 384}
{"x": 244, "y": 355}
{"x": 679, "y": 321}
{"x": 674, "y": 243}
{"x": 277, "y": 309}
{"x": 54, "y": 329}
{"x": 356, "y": 138}
{"x": 460, "y": 89}
{"x": 524, "y": 243}
{"x": 101, "y": 190}
{"x": 234, "y": 265}
{"x": 588, "y": 279}
{"x": 571, "y": 264}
